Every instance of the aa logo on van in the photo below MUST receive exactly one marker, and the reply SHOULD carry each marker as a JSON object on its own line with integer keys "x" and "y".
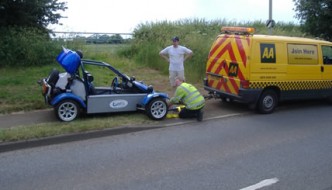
{"x": 233, "y": 69}
{"x": 268, "y": 53}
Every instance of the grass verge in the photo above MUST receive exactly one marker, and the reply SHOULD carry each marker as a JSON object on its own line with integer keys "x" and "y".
{"x": 90, "y": 123}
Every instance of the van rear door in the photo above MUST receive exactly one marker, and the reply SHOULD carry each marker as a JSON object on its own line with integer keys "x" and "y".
{"x": 227, "y": 66}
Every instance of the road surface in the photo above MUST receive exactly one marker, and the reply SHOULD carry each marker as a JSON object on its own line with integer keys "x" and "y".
{"x": 289, "y": 149}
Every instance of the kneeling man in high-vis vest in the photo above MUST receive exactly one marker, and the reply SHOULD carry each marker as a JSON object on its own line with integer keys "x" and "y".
{"x": 188, "y": 95}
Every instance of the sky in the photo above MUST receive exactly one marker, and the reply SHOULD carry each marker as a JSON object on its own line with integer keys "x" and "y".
{"x": 123, "y": 16}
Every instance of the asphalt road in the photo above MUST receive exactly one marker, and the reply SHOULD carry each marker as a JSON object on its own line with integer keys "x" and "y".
{"x": 289, "y": 149}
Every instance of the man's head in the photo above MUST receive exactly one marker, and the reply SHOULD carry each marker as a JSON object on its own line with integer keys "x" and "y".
{"x": 175, "y": 41}
{"x": 178, "y": 81}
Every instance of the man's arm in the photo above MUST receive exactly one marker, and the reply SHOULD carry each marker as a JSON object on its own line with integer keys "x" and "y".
{"x": 178, "y": 95}
{"x": 188, "y": 55}
{"x": 164, "y": 56}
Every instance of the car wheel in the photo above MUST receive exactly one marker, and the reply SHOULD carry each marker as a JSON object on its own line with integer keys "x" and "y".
{"x": 67, "y": 110}
{"x": 267, "y": 102}
{"x": 157, "y": 109}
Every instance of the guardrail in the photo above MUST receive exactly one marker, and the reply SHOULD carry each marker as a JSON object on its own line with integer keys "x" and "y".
{"x": 93, "y": 37}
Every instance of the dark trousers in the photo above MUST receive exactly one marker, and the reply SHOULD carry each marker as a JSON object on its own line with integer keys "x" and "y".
{"x": 185, "y": 113}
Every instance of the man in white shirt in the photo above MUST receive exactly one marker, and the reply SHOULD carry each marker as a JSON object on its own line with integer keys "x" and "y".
{"x": 175, "y": 55}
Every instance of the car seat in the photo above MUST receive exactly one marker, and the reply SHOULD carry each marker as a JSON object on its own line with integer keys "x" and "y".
{"x": 53, "y": 78}
{"x": 89, "y": 78}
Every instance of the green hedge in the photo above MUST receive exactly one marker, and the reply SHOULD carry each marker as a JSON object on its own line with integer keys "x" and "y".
{"x": 26, "y": 47}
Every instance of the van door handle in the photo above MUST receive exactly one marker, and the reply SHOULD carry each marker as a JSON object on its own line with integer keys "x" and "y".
{"x": 322, "y": 69}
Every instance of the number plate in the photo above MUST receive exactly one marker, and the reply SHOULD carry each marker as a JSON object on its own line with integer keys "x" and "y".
{"x": 212, "y": 77}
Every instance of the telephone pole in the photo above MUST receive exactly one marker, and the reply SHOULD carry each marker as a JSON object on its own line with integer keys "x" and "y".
{"x": 270, "y": 22}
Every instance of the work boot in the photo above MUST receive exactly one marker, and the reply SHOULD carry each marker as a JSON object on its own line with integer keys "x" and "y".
{"x": 172, "y": 115}
{"x": 200, "y": 115}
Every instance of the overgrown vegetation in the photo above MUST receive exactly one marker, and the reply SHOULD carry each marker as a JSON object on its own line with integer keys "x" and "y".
{"x": 196, "y": 34}
{"x": 24, "y": 47}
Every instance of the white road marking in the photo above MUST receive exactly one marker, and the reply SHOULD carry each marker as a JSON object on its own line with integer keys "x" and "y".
{"x": 264, "y": 183}
{"x": 224, "y": 116}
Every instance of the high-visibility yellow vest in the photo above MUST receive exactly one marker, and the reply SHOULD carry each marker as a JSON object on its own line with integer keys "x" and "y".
{"x": 189, "y": 96}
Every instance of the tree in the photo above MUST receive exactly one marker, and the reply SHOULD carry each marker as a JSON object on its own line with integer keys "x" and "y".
{"x": 116, "y": 39}
{"x": 30, "y": 13}
{"x": 24, "y": 35}
{"x": 315, "y": 17}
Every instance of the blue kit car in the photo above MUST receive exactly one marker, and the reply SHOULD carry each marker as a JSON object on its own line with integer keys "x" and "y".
{"x": 72, "y": 93}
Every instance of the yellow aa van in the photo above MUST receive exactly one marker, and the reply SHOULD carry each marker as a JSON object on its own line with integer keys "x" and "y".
{"x": 263, "y": 70}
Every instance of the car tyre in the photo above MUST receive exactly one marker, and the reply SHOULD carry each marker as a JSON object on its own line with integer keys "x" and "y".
{"x": 267, "y": 102}
{"x": 157, "y": 109}
{"x": 67, "y": 110}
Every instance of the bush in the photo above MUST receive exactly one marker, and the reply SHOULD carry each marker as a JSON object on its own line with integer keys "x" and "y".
{"x": 26, "y": 47}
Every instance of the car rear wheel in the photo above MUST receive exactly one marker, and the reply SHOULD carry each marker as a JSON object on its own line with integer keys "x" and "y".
{"x": 67, "y": 110}
{"x": 157, "y": 109}
{"x": 267, "y": 102}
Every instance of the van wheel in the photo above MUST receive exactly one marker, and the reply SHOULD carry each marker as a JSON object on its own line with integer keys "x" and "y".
{"x": 329, "y": 99}
{"x": 267, "y": 102}
{"x": 227, "y": 100}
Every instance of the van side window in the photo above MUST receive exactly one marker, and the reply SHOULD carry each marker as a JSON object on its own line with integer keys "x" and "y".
{"x": 327, "y": 54}
{"x": 302, "y": 54}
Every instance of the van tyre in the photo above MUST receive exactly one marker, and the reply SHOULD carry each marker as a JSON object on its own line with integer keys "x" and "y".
{"x": 157, "y": 109}
{"x": 67, "y": 110}
{"x": 227, "y": 100}
{"x": 267, "y": 102}
{"x": 329, "y": 99}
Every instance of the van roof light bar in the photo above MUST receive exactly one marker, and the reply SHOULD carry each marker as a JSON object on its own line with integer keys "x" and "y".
{"x": 238, "y": 30}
